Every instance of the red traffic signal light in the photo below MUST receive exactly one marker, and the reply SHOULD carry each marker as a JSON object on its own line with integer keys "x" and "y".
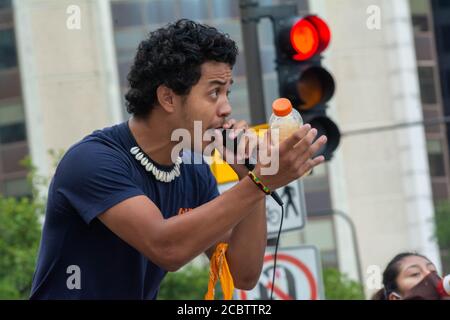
{"x": 308, "y": 36}
{"x": 301, "y": 77}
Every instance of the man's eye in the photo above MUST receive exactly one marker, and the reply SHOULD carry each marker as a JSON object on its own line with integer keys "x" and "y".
{"x": 415, "y": 274}
{"x": 215, "y": 93}
{"x": 228, "y": 93}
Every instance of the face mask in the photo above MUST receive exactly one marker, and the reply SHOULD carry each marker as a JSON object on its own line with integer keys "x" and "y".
{"x": 427, "y": 289}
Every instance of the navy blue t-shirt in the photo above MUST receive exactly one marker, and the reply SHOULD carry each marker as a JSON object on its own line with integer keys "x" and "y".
{"x": 93, "y": 176}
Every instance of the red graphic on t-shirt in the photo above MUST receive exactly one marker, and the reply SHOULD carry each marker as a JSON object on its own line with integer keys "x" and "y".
{"x": 183, "y": 210}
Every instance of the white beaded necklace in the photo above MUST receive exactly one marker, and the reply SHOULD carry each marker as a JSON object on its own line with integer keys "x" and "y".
{"x": 159, "y": 175}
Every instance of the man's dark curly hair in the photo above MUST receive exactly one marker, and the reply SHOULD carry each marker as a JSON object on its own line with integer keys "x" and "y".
{"x": 172, "y": 56}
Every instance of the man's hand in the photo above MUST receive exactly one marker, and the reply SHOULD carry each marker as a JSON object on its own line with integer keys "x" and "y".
{"x": 295, "y": 154}
{"x": 295, "y": 157}
{"x": 233, "y": 129}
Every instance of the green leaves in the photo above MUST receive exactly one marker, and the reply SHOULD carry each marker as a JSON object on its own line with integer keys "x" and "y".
{"x": 339, "y": 287}
{"x": 20, "y": 232}
{"x": 189, "y": 283}
{"x": 442, "y": 218}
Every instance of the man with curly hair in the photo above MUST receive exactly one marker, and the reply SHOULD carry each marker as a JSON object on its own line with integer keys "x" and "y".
{"x": 122, "y": 211}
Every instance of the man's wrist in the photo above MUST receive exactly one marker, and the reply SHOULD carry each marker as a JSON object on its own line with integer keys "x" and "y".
{"x": 241, "y": 170}
{"x": 247, "y": 180}
{"x": 259, "y": 183}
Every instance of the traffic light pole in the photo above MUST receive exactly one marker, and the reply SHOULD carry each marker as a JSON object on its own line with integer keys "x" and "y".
{"x": 251, "y": 13}
{"x": 253, "y": 62}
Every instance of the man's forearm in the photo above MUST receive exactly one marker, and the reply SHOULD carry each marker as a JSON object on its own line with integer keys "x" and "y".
{"x": 247, "y": 245}
{"x": 191, "y": 234}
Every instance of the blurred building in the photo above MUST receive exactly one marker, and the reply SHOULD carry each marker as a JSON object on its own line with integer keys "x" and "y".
{"x": 68, "y": 72}
{"x": 434, "y": 76}
{"x": 13, "y": 141}
{"x": 63, "y": 67}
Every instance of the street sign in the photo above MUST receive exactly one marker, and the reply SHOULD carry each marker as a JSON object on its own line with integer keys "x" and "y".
{"x": 294, "y": 208}
{"x": 298, "y": 276}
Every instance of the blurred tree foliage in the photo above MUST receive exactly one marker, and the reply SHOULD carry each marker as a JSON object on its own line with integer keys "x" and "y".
{"x": 442, "y": 222}
{"x": 20, "y": 233}
{"x": 19, "y": 240}
{"x": 189, "y": 283}
{"x": 339, "y": 287}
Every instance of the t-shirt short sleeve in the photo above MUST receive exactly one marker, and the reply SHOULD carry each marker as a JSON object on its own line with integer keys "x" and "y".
{"x": 210, "y": 186}
{"x": 93, "y": 177}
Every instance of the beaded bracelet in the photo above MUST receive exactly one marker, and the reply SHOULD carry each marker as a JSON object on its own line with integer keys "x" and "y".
{"x": 258, "y": 183}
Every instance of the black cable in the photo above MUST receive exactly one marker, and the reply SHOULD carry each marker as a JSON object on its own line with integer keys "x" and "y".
{"x": 276, "y": 252}
{"x": 226, "y": 142}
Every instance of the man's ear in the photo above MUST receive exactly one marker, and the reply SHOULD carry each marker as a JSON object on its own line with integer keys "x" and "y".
{"x": 166, "y": 98}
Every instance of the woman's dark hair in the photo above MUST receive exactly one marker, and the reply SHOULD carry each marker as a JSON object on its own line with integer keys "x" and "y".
{"x": 172, "y": 56}
{"x": 390, "y": 275}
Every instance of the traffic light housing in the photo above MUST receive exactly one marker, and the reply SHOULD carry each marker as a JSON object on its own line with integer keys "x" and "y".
{"x": 299, "y": 42}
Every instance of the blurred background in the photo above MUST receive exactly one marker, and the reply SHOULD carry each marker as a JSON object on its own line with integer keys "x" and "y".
{"x": 385, "y": 190}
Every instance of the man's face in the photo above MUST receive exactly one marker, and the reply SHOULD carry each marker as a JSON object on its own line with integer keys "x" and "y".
{"x": 207, "y": 101}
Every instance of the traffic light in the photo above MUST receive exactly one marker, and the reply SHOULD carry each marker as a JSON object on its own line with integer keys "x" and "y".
{"x": 299, "y": 41}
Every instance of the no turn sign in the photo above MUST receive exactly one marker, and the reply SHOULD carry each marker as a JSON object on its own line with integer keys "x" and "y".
{"x": 298, "y": 276}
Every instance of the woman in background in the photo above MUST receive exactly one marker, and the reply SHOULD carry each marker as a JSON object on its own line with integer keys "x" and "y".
{"x": 404, "y": 278}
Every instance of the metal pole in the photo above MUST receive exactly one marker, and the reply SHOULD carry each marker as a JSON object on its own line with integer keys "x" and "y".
{"x": 355, "y": 246}
{"x": 347, "y": 218}
{"x": 249, "y": 27}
